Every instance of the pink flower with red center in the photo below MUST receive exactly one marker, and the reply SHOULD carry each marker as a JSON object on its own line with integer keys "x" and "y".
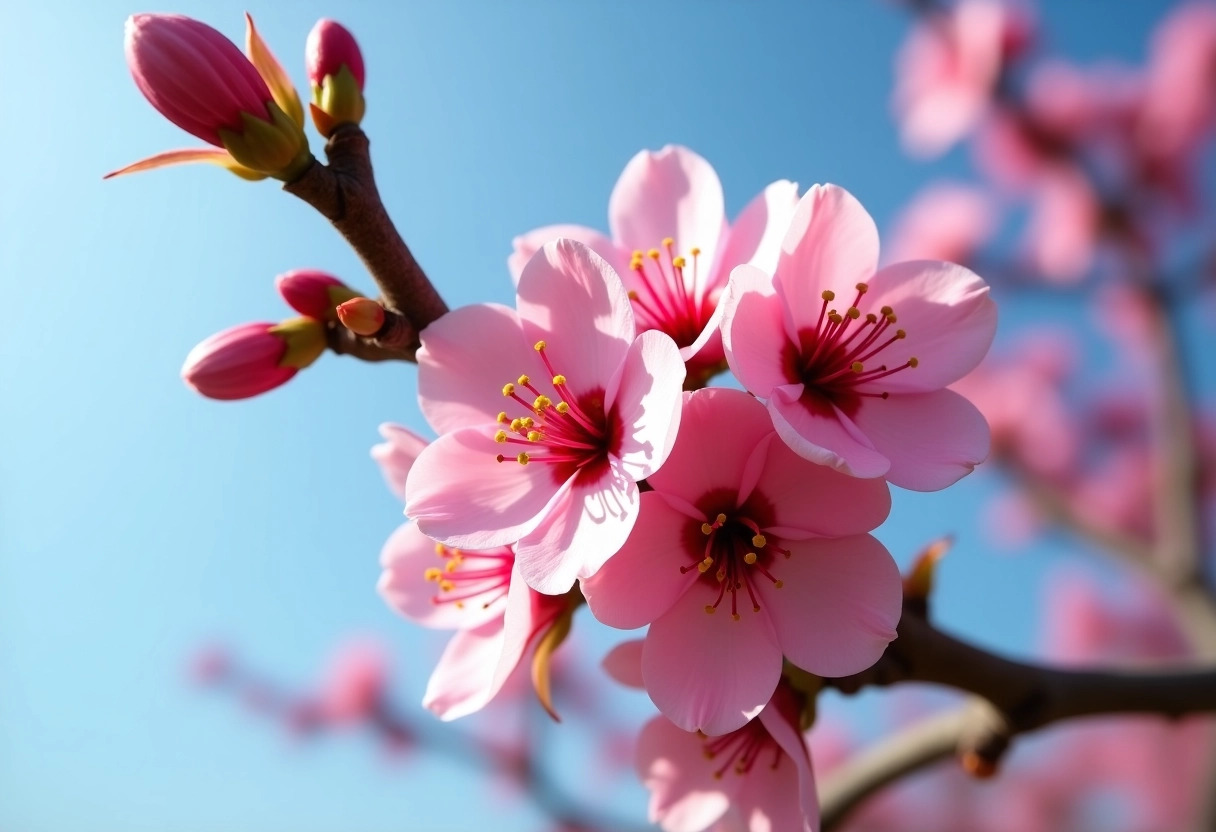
{"x": 745, "y": 553}
{"x": 853, "y": 362}
{"x": 548, "y": 415}
{"x": 673, "y": 247}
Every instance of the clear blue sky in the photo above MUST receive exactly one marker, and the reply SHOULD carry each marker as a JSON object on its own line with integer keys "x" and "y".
{"x": 138, "y": 520}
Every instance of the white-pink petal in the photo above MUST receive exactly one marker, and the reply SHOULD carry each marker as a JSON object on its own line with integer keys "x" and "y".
{"x": 644, "y": 396}
{"x": 623, "y": 664}
{"x": 684, "y": 794}
{"x": 756, "y": 235}
{"x": 526, "y": 245}
{"x": 396, "y": 455}
{"x": 754, "y": 330}
{"x": 817, "y": 430}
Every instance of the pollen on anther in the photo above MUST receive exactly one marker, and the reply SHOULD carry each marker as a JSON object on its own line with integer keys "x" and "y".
{"x": 886, "y": 310}
{"x": 853, "y": 312}
{"x": 694, "y": 251}
{"x": 517, "y": 424}
{"x": 541, "y": 402}
{"x": 432, "y": 574}
{"x": 526, "y": 422}
{"x": 522, "y": 380}
{"x": 559, "y": 379}
{"x": 734, "y": 616}
{"x": 704, "y": 566}
{"x": 668, "y": 242}
{"x": 534, "y": 436}
{"x": 777, "y": 584}
{"x": 827, "y": 294}
{"x": 653, "y": 254}
{"x": 501, "y": 436}
{"x": 857, "y": 366}
{"x": 632, "y": 295}
{"x": 759, "y": 540}
{"x": 508, "y": 389}
{"x": 539, "y": 345}
{"x": 749, "y": 558}
{"x": 679, "y": 262}
{"x": 440, "y": 548}
{"x": 706, "y": 528}
{"x": 710, "y": 609}
{"x": 522, "y": 458}
{"x": 562, "y": 407}
{"x": 862, "y": 288}
{"x": 503, "y": 418}
{"x": 899, "y": 333}
{"x": 913, "y": 362}
{"x": 871, "y": 318}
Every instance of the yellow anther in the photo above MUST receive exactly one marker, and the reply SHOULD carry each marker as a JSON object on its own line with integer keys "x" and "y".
{"x": 533, "y": 436}
{"x": 827, "y": 294}
{"x": 749, "y": 558}
{"x": 562, "y": 407}
{"x": 720, "y": 519}
{"x": 432, "y": 574}
{"x": 704, "y": 565}
{"x": 459, "y": 605}
{"x": 899, "y": 333}
{"x": 539, "y": 345}
{"x": 694, "y": 251}
{"x": 517, "y": 425}
{"x": 706, "y": 528}
{"x": 508, "y": 389}
{"x": 856, "y": 367}
{"x": 853, "y": 312}
{"x": 862, "y": 288}
{"x": 637, "y": 254}
{"x": 721, "y": 574}
{"x": 759, "y": 541}
{"x": 632, "y": 295}
{"x": 668, "y": 242}
{"x": 559, "y": 380}
{"x": 679, "y": 262}
{"x": 778, "y": 583}
{"x": 527, "y": 422}
{"x": 710, "y": 609}
{"x": 542, "y": 401}
{"x": 522, "y": 458}
{"x": 913, "y": 362}
{"x": 501, "y": 436}
{"x": 636, "y": 263}
{"x": 653, "y": 254}
{"x": 445, "y": 585}
{"x": 440, "y": 548}
{"x": 522, "y": 380}
{"x": 452, "y": 565}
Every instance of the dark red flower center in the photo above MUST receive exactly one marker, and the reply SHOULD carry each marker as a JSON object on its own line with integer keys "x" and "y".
{"x": 670, "y": 295}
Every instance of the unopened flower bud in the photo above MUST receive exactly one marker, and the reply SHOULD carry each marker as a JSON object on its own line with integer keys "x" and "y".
{"x": 314, "y": 293}
{"x": 335, "y": 71}
{"x": 918, "y": 582}
{"x": 362, "y": 316}
{"x": 250, "y": 359}
{"x": 200, "y": 81}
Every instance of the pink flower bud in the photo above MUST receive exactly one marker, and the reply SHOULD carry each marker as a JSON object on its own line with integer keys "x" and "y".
{"x": 314, "y": 293}
{"x": 362, "y": 316}
{"x": 250, "y": 359}
{"x": 195, "y": 77}
{"x": 329, "y": 47}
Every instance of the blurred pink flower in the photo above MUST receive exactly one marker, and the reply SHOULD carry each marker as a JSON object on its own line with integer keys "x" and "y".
{"x": 1065, "y": 225}
{"x": 845, "y": 386}
{"x": 354, "y": 682}
{"x": 945, "y": 221}
{"x": 1180, "y": 103}
{"x": 730, "y": 533}
{"x": 396, "y": 455}
{"x": 672, "y": 246}
{"x": 599, "y": 410}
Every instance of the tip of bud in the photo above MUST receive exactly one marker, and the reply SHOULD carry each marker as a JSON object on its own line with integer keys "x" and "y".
{"x": 313, "y": 293}
{"x": 362, "y": 316}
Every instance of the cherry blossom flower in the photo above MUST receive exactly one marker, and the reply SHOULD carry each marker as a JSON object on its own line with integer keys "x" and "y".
{"x": 854, "y": 363}
{"x": 548, "y": 418}
{"x": 946, "y": 221}
{"x": 745, "y": 553}
{"x": 673, "y": 248}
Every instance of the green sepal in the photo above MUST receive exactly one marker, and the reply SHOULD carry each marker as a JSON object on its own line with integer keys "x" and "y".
{"x": 276, "y": 148}
{"x": 305, "y": 339}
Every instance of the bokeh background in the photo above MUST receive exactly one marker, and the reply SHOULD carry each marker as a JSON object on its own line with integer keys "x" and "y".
{"x": 140, "y": 522}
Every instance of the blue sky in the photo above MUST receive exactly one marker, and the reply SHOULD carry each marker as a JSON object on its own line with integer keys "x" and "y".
{"x": 138, "y": 520}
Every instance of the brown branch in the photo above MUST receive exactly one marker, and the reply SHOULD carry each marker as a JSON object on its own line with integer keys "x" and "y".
{"x": 345, "y": 193}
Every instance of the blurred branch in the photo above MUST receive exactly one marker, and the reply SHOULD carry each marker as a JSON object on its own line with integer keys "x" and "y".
{"x": 345, "y": 193}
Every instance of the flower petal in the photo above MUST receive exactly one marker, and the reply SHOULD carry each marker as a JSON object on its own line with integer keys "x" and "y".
{"x": 643, "y": 580}
{"x": 771, "y": 799}
{"x": 816, "y": 430}
{"x": 396, "y": 455}
{"x": 932, "y": 439}
{"x": 405, "y": 558}
{"x": 525, "y": 246}
{"x": 753, "y": 331}
{"x": 623, "y": 664}
{"x": 462, "y": 496}
{"x": 719, "y": 428}
{"x": 684, "y": 794}
{"x": 570, "y": 297}
{"x": 709, "y": 672}
{"x": 586, "y": 523}
{"x": 466, "y": 358}
{"x": 947, "y": 314}
{"x": 645, "y": 396}
{"x": 672, "y": 193}
{"x": 818, "y": 500}
{"x": 832, "y": 243}
{"x": 803, "y": 783}
{"x": 837, "y": 610}
{"x": 211, "y": 155}
{"x": 755, "y": 237}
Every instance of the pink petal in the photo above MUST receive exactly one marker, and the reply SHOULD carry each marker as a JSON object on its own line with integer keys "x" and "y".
{"x": 643, "y": 580}
{"x": 462, "y": 496}
{"x": 466, "y": 358}
{"x": 684, "y": 794}
{"x": 672, "y": 193}
{"x": 710, "y": 672}
{"x": 837, "y": 610}
{"x": 818, "y": 500}
{"x": 586, "y": 523}
{"x": 214, "y": 156}
{"x": 755, "y": 237}
{"x": 770, "y": 798}
{"x": 832, "y": 243}
{"x": 753, "y": 331}
{"x": 526, "y": 245}
{"x": 932, "y": 439}
{"x": 645, "y": 396}
{"x": 623, "y": 664}
{"x": 396, "y": 455}
{"x": 947, "y": 314}
{"x": 816, "y": 430}
{"x": 704, "y": 458}
{"x": 794, "y": 746}
{"x": 570, "y": 298}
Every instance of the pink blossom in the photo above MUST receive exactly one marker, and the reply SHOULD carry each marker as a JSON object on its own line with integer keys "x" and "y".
{"x": 331, "y": 46}
{"x": 195, "y": 77}
{"x": 353, "y": 686}
{"x": 551, "y": 458}
{"x": 672, "y": 246}
{"x": 757, "y": 778}
{"x": 945, "y": 74}
{"x": 396, "y": 455}
{"x": 1180, "y": 101}
{"x": 250, "y": 359}
{"x": 1065, "y": 225}
{"x": 844, "y": 385}
{"x": 946, "y": 221}
{"x": 745, "y": 553}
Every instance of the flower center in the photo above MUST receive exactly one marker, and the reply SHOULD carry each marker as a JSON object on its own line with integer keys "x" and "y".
{"x": 739, "y": 750}
{"x": 668, "y": 293}
{"x": 571, "y": 432}
{"x": 481, "y": 576}
{"x": 736, "y": 552}
{"x": 845, "y": 353}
